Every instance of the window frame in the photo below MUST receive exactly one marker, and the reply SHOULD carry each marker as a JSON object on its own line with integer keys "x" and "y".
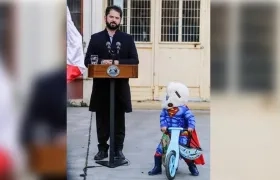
{"x": 180, "y": 21}
{"x": 81, "y": 18}
{"x": 128, "y": 20}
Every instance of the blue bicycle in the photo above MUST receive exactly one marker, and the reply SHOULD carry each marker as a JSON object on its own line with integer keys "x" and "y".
{"x": 175, "y": 152}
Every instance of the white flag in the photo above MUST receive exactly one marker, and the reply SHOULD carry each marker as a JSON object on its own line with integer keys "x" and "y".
{"x": 75, "y": 54}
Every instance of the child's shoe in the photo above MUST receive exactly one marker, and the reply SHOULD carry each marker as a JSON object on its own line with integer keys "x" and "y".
{"x": 193, "y": 169}
{"x": 157, "y": 168}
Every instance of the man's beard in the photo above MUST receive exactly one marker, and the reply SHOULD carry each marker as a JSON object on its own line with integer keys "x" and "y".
{"x": 109, "y": 26}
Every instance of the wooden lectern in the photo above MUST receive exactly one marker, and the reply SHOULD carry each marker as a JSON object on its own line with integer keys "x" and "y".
{"x": 112, "y": 72}
{"x": 48, "y": 159}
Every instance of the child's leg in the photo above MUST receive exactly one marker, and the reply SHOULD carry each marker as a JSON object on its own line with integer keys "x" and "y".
{"x": 192, "y": 167}
{"x": 158, "y": 161}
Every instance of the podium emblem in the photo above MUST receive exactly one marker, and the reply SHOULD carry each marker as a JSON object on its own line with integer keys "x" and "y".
{"x": 113, "y": 71}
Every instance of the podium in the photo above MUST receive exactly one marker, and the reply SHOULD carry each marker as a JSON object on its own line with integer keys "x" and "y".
{"x": 112, "y": 72}
{"x": 48, "y": 159}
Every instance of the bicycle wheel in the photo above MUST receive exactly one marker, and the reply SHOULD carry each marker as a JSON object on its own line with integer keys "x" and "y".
{"x": 170, "y": 165}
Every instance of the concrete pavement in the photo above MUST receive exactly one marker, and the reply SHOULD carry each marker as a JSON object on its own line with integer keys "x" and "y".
{"x": 142, "y": 137}
{"x": 156, "y": 105}
{"x": 151, "y": 105}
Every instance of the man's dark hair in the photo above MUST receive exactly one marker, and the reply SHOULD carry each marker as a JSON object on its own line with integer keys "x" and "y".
{"x": 115, "y": 8}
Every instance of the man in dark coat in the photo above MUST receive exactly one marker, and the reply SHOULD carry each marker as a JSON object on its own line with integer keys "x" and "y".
{"x": 100, "y": 97}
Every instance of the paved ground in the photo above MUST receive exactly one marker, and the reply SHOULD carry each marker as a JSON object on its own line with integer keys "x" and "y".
{"x": 142, "y": 125}
{"x": 156, "y": 105}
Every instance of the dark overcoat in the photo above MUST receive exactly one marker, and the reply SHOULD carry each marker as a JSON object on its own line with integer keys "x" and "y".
{"x": 100, "y": 97}
{"x": 47, "y": 105}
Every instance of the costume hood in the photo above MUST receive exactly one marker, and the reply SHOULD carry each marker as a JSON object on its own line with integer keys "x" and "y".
{"x": 177, "y": 94}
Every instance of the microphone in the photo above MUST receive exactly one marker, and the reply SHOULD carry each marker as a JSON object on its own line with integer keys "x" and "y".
{"x": 108, "y": 44}
{"x": 118, "y": 44}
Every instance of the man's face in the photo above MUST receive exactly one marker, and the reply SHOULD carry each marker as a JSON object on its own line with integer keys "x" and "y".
{"x": 113, "y": 20}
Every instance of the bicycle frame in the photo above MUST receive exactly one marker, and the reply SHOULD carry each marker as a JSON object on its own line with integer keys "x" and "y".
{"x": 174, "y": 143}
{"x": 176, "y": 151}
{"x": 182, "y": 151}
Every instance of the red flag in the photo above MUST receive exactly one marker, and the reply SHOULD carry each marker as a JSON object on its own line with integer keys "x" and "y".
{"x": 6, "y": 167}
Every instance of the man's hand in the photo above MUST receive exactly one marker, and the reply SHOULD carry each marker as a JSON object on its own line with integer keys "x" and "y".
{"x": 190, "y": 129}
{"x": 116, "y": 62}
{"x": 61, "y": 139}
{"x": 163, "y": 129}
{"x": 107, "y": 61}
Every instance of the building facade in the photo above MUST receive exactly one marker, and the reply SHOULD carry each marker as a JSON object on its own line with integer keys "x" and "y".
{"x": 172, "y": 38}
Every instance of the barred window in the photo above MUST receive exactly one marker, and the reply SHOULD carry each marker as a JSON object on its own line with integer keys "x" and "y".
{"x": 257, "y": 31}
{"x": 136, "y": 19}
{"x": 140, "y": 19}
{"x": 219, "y": 44}
{"x": 123, "y": 26}
{"x": 191, "y": 21}
{"x": 5, "y": 28}
{"x": 75, "y": 8}
{"x": 180, "y": 21}
{"x": 170, "y": 20}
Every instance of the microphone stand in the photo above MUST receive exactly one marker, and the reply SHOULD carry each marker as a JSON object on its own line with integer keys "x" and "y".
{"x": 112, "y": 163}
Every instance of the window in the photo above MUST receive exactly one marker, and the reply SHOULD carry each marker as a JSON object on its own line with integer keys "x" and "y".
{"x": 123, "y": 26}
{"x": 180, "y": 20}
{"x": 136, "y": 19}
{"x": 191, "y": 21}
{"x": 170, "y": 20}
{"x": 140, "y": 20}
{"x": 76, "y": 10}
{"x": 257, "y": 30}
{"x": 4, "y": 11}
{"x": 6, "y": 29}
{"x": 219, "y": 45}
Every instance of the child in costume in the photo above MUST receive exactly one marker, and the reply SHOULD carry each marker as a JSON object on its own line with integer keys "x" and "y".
{"x": 175, "y": 113}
